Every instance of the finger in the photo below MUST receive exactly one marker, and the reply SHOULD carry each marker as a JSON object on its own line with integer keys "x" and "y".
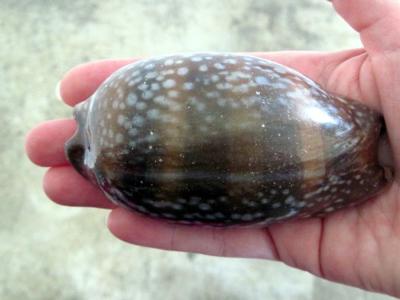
{"x": 45, "y": 143}
{"x": 81, "y": 81}
{"x": 65, "y": 186}
{"x": 377, "y": 21}
{"x": 140, "y": 230}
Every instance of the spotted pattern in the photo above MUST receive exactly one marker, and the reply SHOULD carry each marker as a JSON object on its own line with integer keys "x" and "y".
{"x": 225, "y": 139}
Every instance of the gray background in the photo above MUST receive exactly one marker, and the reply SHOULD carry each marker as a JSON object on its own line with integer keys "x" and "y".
{"x": 53, "y": 252}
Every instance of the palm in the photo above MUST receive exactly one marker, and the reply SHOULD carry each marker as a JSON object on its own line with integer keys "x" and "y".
{"x": 356, "y": 246}
{"x": 350, "y": 238}
{"x": 340, "y": 246}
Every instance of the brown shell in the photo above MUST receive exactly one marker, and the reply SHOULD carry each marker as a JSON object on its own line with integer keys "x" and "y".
{"x": 225, "y": 139}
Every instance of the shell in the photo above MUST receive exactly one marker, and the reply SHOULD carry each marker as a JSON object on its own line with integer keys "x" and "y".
{"x": 223, "y": 139}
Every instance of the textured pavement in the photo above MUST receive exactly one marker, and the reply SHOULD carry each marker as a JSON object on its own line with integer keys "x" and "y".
{"x": 53, "y": 252}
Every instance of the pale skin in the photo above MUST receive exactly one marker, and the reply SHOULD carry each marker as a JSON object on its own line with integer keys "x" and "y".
{"x": 358, "y": 246}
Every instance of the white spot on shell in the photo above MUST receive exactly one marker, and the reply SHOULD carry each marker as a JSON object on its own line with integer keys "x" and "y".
{"x": 143, "y": 86}
{"x": 204, "y": 206}
{"x": 209, "y": 118}
{"x": 301, "y": 204}
{"x": 153, "y": 113}
{"x": 235, "y": 216}
{"x": 133, "y": 131}
{"x": 261, "y": 80}
{"x": 149, "y": 66}
{"x": 203, "y": 68}
{"x": 141, "y": 106}
{"x": 151, "y": 75}
{"x": 160, "y": 99}
{"x": 169, "y": 83}
{"x": 329, "y": 209}
{"x": 155, "y": 86}
{"x": 182, "y": 71}
{"x": 196, "y": 58}
{"x": 169, "y": 62}
{"x": 121, "y": 119}
{"x": 276, "y": 205}
{"x": 247, "y": 217}
{"x": 147, "y": 95}
{"x": 188, "y": 86}
{"x": 213, "y": 94}
{"x": 214, "y": 78}
{"x": 131, "y": 99}
{"x": 176, "y": 206}
{"x": 138, "y": 120}
{"x": 194, "y": 200}
{"x": 243, "y": 88}
{"x": 230, "y": 61}
{"x": 219, "y": 66}
{"x": 173, "y": 94}
{"x": 119, "y": 138}
{"x": 224, "y": 86}
{"x": 221, "y": 102}
{"x": 290, "y": 200}
{"x": 168, "y": 72}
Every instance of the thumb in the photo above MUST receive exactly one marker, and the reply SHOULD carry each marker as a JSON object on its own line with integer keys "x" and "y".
{"x": 377, "y": 21}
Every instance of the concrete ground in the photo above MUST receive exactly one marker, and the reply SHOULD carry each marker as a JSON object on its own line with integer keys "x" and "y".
{"x": 53, "y": 252}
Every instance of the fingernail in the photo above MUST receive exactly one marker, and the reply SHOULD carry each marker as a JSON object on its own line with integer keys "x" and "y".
{"x": 58, "y": 92}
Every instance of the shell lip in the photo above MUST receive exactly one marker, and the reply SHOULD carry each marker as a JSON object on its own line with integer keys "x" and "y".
{"x": 75, "y": 153}
{"x": 75, "y": 147}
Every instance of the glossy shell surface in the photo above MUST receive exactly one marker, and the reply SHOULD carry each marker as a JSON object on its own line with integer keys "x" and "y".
{"x": 223, "y": 139}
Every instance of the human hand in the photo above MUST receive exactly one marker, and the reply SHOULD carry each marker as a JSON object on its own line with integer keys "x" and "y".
{"x": 357, "y": 246}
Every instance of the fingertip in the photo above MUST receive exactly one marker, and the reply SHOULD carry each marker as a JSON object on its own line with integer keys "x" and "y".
{"x": 44, "y": 144}
{"x": 113, "y": 220}
{"x": 50, "y": 185}
{"x": 81, "y": 81}
{"x": 376, "y": 21}
{"x": 65, "y": 186}
{"x": 56, "y": 185}
{"x": 123, "y": 224}
{"x": 77, "y": 84}
{"x": 30, "y": 143}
